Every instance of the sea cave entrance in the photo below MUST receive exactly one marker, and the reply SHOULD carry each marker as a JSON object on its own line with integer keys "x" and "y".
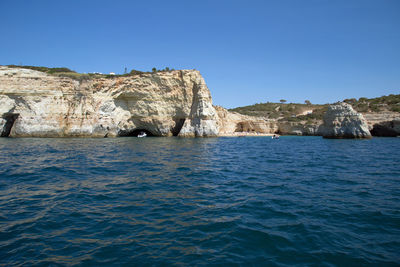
{"x": 384, "y": 130}
{"x": 135, "y": 133}
{"x": 178, "y": 126}
{"x": 10, "y": 118}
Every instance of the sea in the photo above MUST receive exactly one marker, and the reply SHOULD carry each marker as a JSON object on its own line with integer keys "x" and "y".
{"x": 251, "y": 201}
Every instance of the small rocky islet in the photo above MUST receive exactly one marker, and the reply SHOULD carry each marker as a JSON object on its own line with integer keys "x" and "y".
{"x": 35, "y": 103}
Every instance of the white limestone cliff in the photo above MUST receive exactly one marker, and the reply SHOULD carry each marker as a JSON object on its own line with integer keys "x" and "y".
{"x": 174, "y": 103}
{"x": 232, "y": 123}
{"x": 36, "y": 104}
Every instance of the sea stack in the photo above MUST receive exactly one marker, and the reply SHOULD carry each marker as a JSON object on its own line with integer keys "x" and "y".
{"x": 342, "y": 121}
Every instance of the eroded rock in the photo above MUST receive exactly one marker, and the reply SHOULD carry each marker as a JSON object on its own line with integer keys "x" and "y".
{"x": 163, "y": 103}
{"x": 341, "y": 121}
{"x": 386, "y": 129}
{"x": 231, "y": 123}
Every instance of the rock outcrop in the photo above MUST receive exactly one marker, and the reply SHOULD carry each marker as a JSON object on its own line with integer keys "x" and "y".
{"x": 386, "y": 129}
{"x": 174, "y": 103}
{"x": 299, "y": 128}
{"x": 232, "y": 123}
{"x": 36, "y": 104}
{"x": 341, "y": 121}
{"x": 384, "y": 124}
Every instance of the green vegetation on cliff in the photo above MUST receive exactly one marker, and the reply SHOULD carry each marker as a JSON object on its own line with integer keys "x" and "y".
{"x": 44, "y": 69}
{"x": 378, "y": 104}
{"x": 282, "y": 111}
{"x": 302, "y": 112}
{"x": 65, "y": 72}
{"x": 61, "y": 72}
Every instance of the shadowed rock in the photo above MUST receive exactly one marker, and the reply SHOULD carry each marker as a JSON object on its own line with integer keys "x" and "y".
{"x": 6, "y": 123}
{"x": 386, "y": 129}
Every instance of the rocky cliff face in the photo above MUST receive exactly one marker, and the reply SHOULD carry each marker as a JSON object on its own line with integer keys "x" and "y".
{"x": 176, "y": 103}
{"x": 232, "y": 123}
{"x": 385, "y": 124}
{"x": 33, "y": 103}
{"x": 299, "y": 128}
{"x": 341, "y": 121}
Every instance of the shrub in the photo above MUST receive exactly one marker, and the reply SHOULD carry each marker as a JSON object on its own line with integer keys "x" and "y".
{"x": 135, "y": 72}
{"x": 350, "y": 101}
{"x": 395, "y": 108}
{"x": 374, "y": 107}
{"x": 44, "y": 69}
{"x": 362, "y": 107}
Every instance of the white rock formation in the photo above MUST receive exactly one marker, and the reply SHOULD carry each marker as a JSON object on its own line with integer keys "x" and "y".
{"x": 33, "y": 103}
{"x": 341, "y": 121}
{"x": 232, "y": 123}
{"x": 299, "y": 128}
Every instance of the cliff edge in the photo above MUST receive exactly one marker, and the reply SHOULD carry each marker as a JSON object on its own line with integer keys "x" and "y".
{"x": 36, "y": 104}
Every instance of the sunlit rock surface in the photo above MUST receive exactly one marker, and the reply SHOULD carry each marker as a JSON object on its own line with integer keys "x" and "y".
{"x": 232, "y": 123}
{"x": 36, "y": 104}
{"x": 341, "y": 121}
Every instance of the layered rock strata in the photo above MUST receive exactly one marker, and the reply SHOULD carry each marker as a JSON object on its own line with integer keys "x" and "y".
{"x": 341, "y": 121}
{"x": 232, "y": 123}
{"x": 386, "y": 124}
{"x": 386, "y": 128}
{"x": 176, "y": 103}
{"x": 299, "y": 128}
{"x": 36, "y": 104}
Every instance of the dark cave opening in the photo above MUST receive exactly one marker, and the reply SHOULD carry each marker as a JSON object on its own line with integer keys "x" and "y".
{"x": 178, "y": 126}
{"x": 10, "y": 118}
{"x": 383, "y": 130}
{"x": 135, "y": 133}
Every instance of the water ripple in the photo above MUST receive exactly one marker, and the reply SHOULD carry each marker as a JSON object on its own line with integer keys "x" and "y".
{"x": 217, "y": 201}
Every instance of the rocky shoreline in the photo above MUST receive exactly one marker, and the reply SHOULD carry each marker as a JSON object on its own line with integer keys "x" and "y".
{"x": 171, "y": 103}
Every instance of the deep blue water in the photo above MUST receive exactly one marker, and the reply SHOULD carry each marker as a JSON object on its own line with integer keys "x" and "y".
{"x": 205, "y": 201}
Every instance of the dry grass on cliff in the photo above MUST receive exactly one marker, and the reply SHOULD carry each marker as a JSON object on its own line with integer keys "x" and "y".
{"x": 60, "y": 72}
{"x": 65, "y": 72}
{"x": 378, "y": 104}
{"x": 287, "y": 112}
{"x": 44, "y": 69}
{"x": 293, "y": 112}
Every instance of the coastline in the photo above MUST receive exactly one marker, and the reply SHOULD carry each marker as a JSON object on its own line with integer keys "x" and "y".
{"x": 240, "y": 134}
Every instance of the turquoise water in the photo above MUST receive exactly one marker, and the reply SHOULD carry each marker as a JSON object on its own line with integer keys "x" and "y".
{"x": 206, "y": 201}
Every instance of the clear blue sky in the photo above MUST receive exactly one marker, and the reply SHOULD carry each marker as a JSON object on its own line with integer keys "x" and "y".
{"x": 248, "y": 51}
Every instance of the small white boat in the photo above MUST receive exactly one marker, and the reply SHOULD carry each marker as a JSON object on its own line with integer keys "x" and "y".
{"x": 142, "y": 134}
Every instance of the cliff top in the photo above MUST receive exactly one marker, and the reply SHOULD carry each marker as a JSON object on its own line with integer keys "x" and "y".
{"x": 68, "y": 73}
{"x": 284, "y": 111}
{"x": 310, "y": 112}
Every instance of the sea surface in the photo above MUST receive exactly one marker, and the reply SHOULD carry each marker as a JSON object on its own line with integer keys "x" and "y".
{"x": 254, "y": 201}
